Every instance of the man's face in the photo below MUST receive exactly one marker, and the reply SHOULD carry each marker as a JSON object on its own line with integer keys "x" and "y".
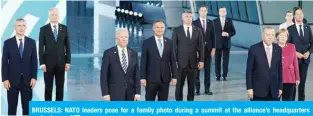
{"x": 268, "y": 36}
{"x": 54, "y": 15}
{"x": 20, "y": 27}
{"x": 299, "y": 15}
{"x": 222, "y": 12}
{"x": 187, "y": 18}
{"x": 159, "y": 28}
{"x": 203, "y": 12}
{"x": 122, "y": 38}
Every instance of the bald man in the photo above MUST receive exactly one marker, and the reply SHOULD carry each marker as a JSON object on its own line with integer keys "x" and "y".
{"x": 120, "y": 78}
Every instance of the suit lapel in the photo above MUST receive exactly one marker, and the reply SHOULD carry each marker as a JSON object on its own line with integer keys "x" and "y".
{"x": 50, "y": 31}
{"x": 130, "y": 60}
{"x": 164, "y": 46}
{"x": 16, "y": 46}
{"x": 194, "y": 31}
{"x": 60, "y": 32}
{"x": 182, "y": 29}
{"x": 273, "y": 54}
{"x": 116, "y": 53}
{"x": 219, "y": 24}
{"x": 264, "y": 54}
{"x": 25, "y": 47}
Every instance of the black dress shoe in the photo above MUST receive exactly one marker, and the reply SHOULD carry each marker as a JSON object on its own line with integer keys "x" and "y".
{"x": 197, "y": 92}
{"x": 224, "y": 79}
{"x": 218, "y": 79}
{"x": 210, "y": 93}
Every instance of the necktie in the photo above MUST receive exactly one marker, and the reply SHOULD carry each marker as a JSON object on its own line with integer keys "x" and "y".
{"x": 301, "y": 32}
{"x": 55, "y": 32}
{"x": 203, "y": 26}
{"x": 269, "y": 56}
{"x": 124, "y": 62}
{"x": 20, "y": 48}
{"x": 160, "y": 47}
{"x": 188, "y": 33}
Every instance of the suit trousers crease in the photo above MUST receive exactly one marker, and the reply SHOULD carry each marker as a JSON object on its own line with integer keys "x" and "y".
{"x": 26, "y": 96}
{"x": 56, "y": 73}
{"x": 221, "y": 52}
{"x": 190, "y": 74}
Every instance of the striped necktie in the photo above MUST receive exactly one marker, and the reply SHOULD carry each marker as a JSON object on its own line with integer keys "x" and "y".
{"x": 124, "y": 61}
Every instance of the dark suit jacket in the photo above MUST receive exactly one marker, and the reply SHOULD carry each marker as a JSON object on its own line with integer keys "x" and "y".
{"x": 113, "y": 79}
{"x": 302, "y": 44}
{"x": 153, "y": 67}
{"x": 259, "y": 76}
{"x": 13, "y": 66}
{"x": 54, "y": 53}
{"x": 224, "y": 42}
{"x": 185, "y": 50}
{"x": 208, "y": 35}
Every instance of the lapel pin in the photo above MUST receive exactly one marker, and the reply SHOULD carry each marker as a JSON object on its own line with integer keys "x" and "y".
{"x": 114, "y": 52}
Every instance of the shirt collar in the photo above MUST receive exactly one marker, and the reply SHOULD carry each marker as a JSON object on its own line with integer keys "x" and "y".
{"x": 201, "y": 19}
{"x": 266, "y": 46}
{"x": 156, "y": 38}
{"x": 223, "y": 18}
{"x": 297, "y": 24}
{"x": 18, "y": 39}
{"x": 185, "y": 26}
{"x": 120, "y": 49}
{"x": 54, "y": 24}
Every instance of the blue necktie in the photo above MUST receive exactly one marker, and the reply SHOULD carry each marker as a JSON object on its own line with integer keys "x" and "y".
{"x": 20, "y": 48}
{"x": 55, "y": 32}
{"x": 160, "y": 47}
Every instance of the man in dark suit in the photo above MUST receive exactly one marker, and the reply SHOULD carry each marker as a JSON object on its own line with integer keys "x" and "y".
{"x": 158, "y": 64}
{"x": 19, "y": 68}
{"x": 54, "y": 54}
{"x": 300, "y": 34}
{"x": 224, "y": 30}
{"x": 187, "y": 43}
{"x": 264, "y": 69}
{"x": 120, "y": 78}
{"x": 208, "y": 33}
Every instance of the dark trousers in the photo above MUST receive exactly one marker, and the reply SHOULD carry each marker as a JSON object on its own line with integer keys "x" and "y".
{"x": 26, "y": 96}
{"x": 288, "y": 91}
{"x": 207, "y": 71}
{"x": 303, "y": 71}
{"x": 157, "y": 89}
{"x": 57, "y": 73}
{"x": 191, "y": 76}
{"x": 218, "y": 58}
{"x": 269, "y": 97}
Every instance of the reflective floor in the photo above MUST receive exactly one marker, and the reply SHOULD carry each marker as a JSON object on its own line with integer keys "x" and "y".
{"x": 83, "y": 79}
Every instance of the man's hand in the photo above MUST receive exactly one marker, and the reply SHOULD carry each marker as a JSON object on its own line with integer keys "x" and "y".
{"x": 143, "y": 82}
{"x": 173, "y": 82}
{"x": 7, "y": 84}
{"x": 200, "y": 65}
{"x": 299, "y": 55}
{"x": 306, "y": 55}
{"x": 225, "y": 34}
{"x": 33, "y": 83}
{"x": 280, "y": 93}
{"x": 213, "y": 52}
{"x": 107, "y": 98}
{"x": 297, "y": 83}
{"x": 44, "y": 68}
{"x": 250, "y": 93}
{"x": 67, "y": 67}
{"x": 137, "y": 98}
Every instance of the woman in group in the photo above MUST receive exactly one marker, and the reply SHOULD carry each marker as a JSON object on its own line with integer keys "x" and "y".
{"x": 290, "y": 70}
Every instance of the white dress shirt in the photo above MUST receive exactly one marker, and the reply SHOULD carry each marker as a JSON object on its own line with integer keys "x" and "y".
{"x": 284, "y": 25}
{"x": 53, "y": 27}
{"x": 298, "y": 28}
{"x": 190, "y": 30}
{"x": 222, "y": 22}
{"x": 270, "y": 51}
{"x": 157, "y": 42}
{"x": 119, "y": 49}
{"x": 18, "y": 41}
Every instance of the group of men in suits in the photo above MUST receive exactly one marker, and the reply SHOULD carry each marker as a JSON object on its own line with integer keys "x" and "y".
{"x": 20, "y": 64}
{"x": 166, "y": 62}
{"x": 264, "y": 64}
